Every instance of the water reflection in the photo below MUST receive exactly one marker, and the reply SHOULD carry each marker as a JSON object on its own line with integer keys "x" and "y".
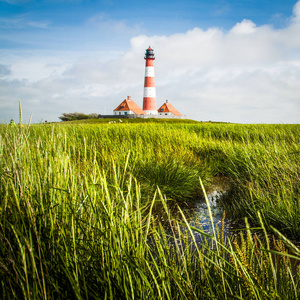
{"x": 197, "y": 213}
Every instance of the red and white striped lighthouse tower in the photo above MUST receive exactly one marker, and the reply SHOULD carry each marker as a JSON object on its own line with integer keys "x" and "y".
{"x": 149, "y": 101}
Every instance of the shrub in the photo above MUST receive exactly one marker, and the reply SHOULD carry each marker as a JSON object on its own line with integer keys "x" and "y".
{"x": 77, "y": 116}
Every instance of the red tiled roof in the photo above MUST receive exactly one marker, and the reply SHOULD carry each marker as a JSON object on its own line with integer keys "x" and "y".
{"x": 129, "y": 104}
{"x": 168, "y": 107}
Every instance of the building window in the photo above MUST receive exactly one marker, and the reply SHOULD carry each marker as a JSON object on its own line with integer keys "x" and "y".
{"x": 125, "y": 113}
{"x": 165, "y": 114}
{"x": 120, "y": 113}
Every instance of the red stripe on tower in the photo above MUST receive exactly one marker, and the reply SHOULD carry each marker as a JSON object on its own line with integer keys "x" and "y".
{"x": 149, "y": 101}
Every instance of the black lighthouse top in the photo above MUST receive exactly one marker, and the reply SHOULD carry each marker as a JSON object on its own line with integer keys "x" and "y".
{"x": 149, "y": 53}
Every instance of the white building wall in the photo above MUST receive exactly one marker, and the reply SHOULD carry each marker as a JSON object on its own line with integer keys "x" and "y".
{"x": 165, "y": 114}
{"x": 123, "y": 112}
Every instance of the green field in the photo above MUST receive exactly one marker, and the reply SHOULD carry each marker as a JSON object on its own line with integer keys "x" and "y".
{"x": 79, "y": 200}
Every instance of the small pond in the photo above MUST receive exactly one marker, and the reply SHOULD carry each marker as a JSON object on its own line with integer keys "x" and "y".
{"x": 196, "y": 211}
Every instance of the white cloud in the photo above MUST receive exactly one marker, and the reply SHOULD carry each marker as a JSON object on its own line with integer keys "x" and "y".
{"x": 4, "y": 70}
{"x": 245, "y": 27}
{"x": 249, "y": 74}
{"x": 103, "y": 22}
{"x": 296, "y": 13}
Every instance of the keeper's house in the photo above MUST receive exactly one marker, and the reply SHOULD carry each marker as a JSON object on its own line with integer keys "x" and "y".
{"x": 128, "y": 107}
{"x": 167, "y": 109}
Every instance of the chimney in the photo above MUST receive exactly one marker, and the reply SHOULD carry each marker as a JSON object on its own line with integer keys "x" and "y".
{"x": 167, "y": 101}
{"x": 128, "y": 97}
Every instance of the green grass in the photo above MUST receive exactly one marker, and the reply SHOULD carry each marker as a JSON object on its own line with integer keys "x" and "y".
{"x": 134, "y": 120}
{"x": 77, "y": 211}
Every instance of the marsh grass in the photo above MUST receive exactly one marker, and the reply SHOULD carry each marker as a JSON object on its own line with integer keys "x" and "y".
{"x": 175, "y": 179}
{"x": 77, "y": 212}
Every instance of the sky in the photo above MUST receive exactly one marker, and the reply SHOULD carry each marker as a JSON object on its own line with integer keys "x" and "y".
{"x": 219, "y": 60}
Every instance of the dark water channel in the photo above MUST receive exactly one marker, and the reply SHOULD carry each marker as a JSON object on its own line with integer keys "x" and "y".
{"x": 196, "y": 211}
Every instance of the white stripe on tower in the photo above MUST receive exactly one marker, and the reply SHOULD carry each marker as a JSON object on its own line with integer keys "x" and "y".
{"x": 149, "y": 92}
{"x": 149, "y": 101}
{"x": 149, "y": 72}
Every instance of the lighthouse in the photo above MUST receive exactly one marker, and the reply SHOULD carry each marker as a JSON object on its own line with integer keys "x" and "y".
{"x": 149, "y": 100}
{"x": 128, "y": 108}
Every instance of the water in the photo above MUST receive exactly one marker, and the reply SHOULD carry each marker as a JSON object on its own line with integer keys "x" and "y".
{"x": 196, "y": 212}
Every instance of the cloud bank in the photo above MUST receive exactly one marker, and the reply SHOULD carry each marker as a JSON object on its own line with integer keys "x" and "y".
{"x": 249, "y": 74}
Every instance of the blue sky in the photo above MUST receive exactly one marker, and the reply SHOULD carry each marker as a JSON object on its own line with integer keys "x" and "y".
{"x": 234, "y": 61}
{"x": 84, "y": 21}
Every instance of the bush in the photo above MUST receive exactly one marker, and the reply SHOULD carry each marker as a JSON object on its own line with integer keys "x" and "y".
{"x": 77, "y": 116}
